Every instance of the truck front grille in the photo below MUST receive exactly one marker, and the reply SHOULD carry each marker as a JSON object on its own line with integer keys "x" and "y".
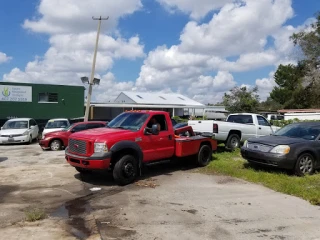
{"x": 77, "y": 146}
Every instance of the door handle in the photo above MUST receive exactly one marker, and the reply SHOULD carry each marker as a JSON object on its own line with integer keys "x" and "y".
{"x": 260, "y": 128}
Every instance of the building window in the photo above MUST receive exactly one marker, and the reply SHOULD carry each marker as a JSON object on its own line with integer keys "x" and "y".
{"x": 139, "y": 96}
{"x": 162, "y": 98}
{"x": 48, "y": 97}
{"x": 181, "y": 98}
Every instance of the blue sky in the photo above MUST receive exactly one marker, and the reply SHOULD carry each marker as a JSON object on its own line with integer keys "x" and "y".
{"x": 155, "y": 24}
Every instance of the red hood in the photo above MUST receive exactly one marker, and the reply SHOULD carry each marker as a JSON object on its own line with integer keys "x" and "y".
{"x": 103, "y": 133}
{"x": 55, "y": 133}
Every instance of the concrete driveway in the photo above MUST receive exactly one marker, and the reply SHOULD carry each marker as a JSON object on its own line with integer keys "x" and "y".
{"x": 171, "y": 201}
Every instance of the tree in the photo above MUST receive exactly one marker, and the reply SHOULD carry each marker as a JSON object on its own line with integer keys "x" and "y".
{"x": 308, "y": 41}
{"x": 298, "y": 86}
{"x": 269, "y": 105}
{"x": 288, "y": 79}
{"x": 240, "y": 99}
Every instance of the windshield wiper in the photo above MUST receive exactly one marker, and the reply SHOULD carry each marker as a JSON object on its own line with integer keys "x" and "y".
{"x": 119, "y": 127}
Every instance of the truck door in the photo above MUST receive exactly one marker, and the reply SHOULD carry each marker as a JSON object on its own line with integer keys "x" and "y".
{"x": 163, "y": 143}
{"x": 264, "y": 127}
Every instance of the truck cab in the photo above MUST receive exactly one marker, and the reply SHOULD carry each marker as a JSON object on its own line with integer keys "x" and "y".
{"x": 131, "y": 140}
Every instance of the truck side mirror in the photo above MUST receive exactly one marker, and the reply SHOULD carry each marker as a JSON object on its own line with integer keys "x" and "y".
{"x": 154, "y": 129}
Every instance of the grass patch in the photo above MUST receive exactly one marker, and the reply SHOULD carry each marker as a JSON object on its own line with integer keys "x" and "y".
{"x": 34, "y": 214}
{"x": 232, "y": 164}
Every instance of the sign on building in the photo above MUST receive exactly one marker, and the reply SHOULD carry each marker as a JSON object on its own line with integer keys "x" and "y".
{"x": 11, "y": 93}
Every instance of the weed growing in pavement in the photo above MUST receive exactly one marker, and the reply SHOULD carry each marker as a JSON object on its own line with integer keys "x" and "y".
{"x": 34, "y": 214}
{"x": 231, "y": 164}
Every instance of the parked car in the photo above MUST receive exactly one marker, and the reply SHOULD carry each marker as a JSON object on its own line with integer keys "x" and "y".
{"x": 55, "y": 124}
{"x": 59, "y": 139}
{"x": 132, "y": 140}
{"x": 19, "y": 130}
{"x": 295, "y": 146}
{"x": 236, "y": 129}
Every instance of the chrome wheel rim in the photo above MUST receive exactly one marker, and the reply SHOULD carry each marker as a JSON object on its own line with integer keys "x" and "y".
{"x": 55, "y": 146}
{"x": 234, "y": 142}
{"x": 306, "y": 164}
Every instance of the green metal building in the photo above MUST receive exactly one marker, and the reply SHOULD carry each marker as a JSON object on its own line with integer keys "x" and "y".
{"x": 40, "y": 101}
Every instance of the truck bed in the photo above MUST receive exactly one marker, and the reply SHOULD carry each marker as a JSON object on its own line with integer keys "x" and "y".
{"x": 187, "y": 146}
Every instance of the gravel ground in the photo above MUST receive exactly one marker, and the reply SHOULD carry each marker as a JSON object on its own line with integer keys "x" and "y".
{"x": 170, "y": 201}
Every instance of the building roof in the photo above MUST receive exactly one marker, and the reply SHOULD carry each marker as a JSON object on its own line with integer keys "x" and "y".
{"x": 146, "y": 106}
{"x": 299, "y": 111}
{"x": 159, "y": 98}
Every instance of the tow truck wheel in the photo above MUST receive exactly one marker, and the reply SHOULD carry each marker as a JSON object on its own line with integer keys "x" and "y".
{"x": 204, "y": 155}
{"x": 125, "y": 170}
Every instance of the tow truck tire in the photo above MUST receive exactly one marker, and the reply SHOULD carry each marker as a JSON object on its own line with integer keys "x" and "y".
{"x": 204, "y": 155}
{"x": 125, "y": 170}
{"x": 233, "y": 142}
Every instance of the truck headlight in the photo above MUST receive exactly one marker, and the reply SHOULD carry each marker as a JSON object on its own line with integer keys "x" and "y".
{"x": 245, "y": 144}
{"x": 283, "y": 149}
{"x": 100, "y": 147}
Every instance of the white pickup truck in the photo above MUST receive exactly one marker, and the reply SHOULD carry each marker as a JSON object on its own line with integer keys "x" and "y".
{"x": 237, "y": 128}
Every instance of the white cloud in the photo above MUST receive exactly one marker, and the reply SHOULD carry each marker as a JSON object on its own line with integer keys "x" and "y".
{"x": 70, "y": 57}
{"x": 75, "y": 16}
{"x": 240, "y": 30}
{"x": 265, "y": 86}
{"x": 196, "y": 9}
{"x": 72, "y": 38}
{"x": 237, "y": 28}
{"x": 4, "y": 58}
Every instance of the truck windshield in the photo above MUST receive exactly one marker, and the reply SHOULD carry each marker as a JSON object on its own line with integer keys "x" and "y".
{"x": 130, "y": 121}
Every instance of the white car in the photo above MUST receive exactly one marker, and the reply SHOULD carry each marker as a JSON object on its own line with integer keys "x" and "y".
{"x": 56, "y": 124}
{"x": 19, "y": 130}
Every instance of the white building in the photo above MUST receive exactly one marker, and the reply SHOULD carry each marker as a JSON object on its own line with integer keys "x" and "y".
{"x": 176, "y": 104}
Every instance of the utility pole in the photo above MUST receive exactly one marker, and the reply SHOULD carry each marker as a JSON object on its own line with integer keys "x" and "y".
{"x": 86, "y": 116}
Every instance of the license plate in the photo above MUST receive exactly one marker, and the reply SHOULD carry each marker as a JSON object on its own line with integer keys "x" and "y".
{"x": 10, "y": 140}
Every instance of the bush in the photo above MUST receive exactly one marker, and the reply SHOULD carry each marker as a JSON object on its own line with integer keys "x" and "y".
{"x": 282, "y": 123}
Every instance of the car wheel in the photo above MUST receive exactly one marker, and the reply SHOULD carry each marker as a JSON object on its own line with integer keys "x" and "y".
{"x": 304, "y": 165}
{"x": 83, "y": 170}
{"x": 125, "y": 170}
{"x": 233, "y": 142}
{"x": 55, "y": 145}
{"x": 204, "y": 155}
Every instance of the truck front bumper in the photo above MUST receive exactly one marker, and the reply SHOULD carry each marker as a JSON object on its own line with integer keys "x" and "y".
{"x": 98, "y": 161}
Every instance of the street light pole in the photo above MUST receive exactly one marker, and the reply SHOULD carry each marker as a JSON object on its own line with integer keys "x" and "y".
{"x": 86, "y": 116}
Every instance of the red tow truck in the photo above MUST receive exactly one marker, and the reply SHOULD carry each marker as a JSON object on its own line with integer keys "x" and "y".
{"x": 133, "y": 139}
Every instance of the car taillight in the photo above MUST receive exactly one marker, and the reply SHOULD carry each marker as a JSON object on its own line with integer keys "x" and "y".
{"x": 215, "y": 128}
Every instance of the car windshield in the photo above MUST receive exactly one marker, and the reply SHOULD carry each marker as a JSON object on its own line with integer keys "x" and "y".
{"x": 68, "y": 127}
{"x": 299, "y": 131}
{"x": 15, "y": 125}
{"x": 57, "y": 124}
{"x": 130, "y": 121}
